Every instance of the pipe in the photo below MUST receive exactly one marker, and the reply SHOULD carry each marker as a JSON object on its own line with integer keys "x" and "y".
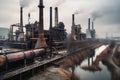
{"x": 73, "y": 27}
{"x": 50, "y": 18}
{"x": 41, "y": 39}
{"x": 73, "y": 24}
{"x": 28, "y": 18}
{"x": 73, "y": 19}
{"x": 88, "y": 23}
{"x": 12, "y": 57}
{"x": 41, "y": 23}
{"x": 56, "y": 16}
{"x": 21, "y": 19}
{"x": 92, "y": 25}
{"x": 11, "y": 33}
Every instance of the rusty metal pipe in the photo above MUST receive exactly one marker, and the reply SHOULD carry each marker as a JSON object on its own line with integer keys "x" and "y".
{"x": 20, "y": 55}
{"x": 2, "y": 60}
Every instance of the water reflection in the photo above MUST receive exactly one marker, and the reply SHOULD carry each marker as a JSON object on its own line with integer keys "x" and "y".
{"x": 90, "y": 59}
{"x": 104, "y": 74}
{"x": 109, "y": 70}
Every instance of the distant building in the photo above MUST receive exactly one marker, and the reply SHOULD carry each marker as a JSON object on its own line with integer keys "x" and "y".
{"x": 4, "y": 33}
{"x": 79, "y": 34}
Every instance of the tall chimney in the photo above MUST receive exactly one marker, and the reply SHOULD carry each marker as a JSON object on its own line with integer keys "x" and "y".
{"x": 73, "y": 27}
{"x": 41, "y": 23}
{"x": 92, "y": 25}
{"x": 50, "y": 18}
{"x": 41, "y": 39}
{"x": 21, "y": 19}
{"x": 73, "y": 19}
{"x": 88, "y": 23}
{"x": 56, "y": 16}
{"x": 28, "y": 18}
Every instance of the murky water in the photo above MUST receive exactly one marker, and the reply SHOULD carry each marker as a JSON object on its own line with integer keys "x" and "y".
{"x": 108, "y": 72}
{"x": 104, "y": 74}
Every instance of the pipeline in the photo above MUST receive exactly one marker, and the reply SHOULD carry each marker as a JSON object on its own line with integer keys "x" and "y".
{"x": 13, "y": 57}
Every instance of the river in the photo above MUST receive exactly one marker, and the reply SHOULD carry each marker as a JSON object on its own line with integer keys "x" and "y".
{"x": 104, "y": 74}
{"x": 108, "y": 70}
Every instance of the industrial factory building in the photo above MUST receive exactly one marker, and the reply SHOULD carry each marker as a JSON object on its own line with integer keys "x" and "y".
{"x": 33, "y": 32}
{"x": 76, "y": 32}
{"x": 32, "y": 53}
{"x": 3, "y": 35}
{"x": 90, "y": 32}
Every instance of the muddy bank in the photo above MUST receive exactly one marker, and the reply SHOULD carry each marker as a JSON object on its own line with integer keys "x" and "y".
{"x": 113, "y": 63}
{"x": 116, "y": 56}
{"x": 110, "y": 58}
{"x": 103, "y": 56}
{"x": 62, "y": 72}
{"x": 113, "y": 68}
{"x": 55, "y": 74}
{"x": 95, "y": 65}
{"x": 78, "y": 57}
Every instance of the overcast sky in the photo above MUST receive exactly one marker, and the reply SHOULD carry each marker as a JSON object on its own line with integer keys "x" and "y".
{"x": 105, "y": 12}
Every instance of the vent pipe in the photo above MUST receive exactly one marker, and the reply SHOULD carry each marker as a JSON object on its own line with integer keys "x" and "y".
{"x": 73, "y": 27}
{"x": 88, "y": 23}
{"x": 21, "y": 19}
{"x": 92, "y": 25}
{"x": 56, "y": 16}
{"x": 50, "y": 18}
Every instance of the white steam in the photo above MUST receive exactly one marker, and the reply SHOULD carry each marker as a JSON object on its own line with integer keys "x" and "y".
{"x": 96, "y": 14}
{"x": 79, "y": 12}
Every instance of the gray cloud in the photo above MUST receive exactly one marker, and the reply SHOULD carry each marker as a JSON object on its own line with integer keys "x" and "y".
{"x": 25, "y": 3}
{"x": 106, "y": 13}
{"x": 109, "y": 10}
{"x": 58, "y": 2}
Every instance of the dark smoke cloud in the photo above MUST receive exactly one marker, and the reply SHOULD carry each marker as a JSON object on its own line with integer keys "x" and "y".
{"x": 95, "y": 15}
{"x": 25, "y": 3}
{"x": 109, "y": 10}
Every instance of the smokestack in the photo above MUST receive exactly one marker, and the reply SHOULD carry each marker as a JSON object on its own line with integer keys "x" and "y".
{"x": 21, "y": 19}
{"x": 28, "y": 18}
{"x": 92, "y": 25}
{"x": 41, "y": 39}
{"x": 56, "y": 16}
{"x": 73, "y": 19}
{"x": 41, "y": 24}
{"x": 88, "y": 23}
{"x": 73, "y": 27}
{"x": 50, "y": 18}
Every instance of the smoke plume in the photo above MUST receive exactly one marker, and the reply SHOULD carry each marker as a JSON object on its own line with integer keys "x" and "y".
{"x": 78, "y": 12}
{"x": 59, "y": 2}
{"x": 25, "y": 3}
{"x": 110, "y": 11}
{"x": 96, "y": 14}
